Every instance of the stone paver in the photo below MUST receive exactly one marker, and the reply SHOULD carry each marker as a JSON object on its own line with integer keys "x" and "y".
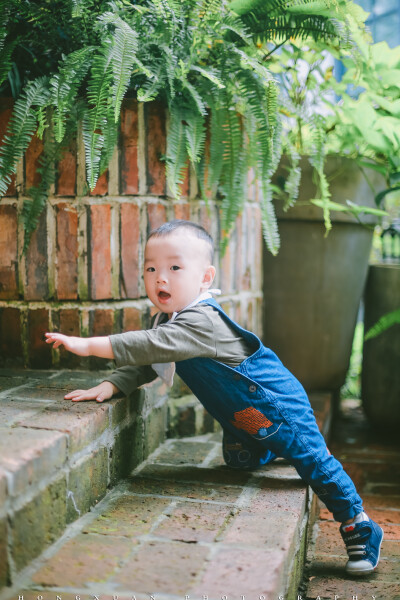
{"x": 182, "y": 524}
{"x": 177, "y": 528}
{"x": 372, "y": 459}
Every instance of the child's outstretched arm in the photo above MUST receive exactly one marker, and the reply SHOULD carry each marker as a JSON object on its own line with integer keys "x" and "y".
{"x": 95, "y": 346}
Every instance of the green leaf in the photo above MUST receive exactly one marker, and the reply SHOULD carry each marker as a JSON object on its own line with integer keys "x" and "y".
{"x": 384, "y": 323}
{"x": 177, "y": 156}
{"x": 21, "y": 128}
{"x": 208, "y": 74}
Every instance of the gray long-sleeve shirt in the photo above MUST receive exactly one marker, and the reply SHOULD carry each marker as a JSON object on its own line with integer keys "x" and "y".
{"x": 197, "y": 331}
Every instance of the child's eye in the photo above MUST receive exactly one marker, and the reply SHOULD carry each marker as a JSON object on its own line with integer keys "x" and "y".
{"x": 150, "y": 269}
{"x": 175, "y": 268}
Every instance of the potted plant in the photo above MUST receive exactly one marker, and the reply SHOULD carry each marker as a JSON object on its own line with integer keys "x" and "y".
{"x": 71, "y": 63}
{"x": 313, "y": 288}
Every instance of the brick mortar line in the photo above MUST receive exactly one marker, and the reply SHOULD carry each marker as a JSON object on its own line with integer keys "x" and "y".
{"x": 181, "y": 498}
{"x": 85, "y": 305}
{"x": 72, "y": 529}
{"x": 105, "y": 440}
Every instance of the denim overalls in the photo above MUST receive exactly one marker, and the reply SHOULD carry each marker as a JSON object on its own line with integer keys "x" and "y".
{"x": 262, "y": 405}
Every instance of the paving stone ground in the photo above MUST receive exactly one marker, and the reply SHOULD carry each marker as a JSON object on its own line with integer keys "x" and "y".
{"x": 372, "y": 459}
{"x": 182, "y": 526}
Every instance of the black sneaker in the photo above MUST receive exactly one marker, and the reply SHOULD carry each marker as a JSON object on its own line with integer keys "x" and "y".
{"x": 363, "y": 543}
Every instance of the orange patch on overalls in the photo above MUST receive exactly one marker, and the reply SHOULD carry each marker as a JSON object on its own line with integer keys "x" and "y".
{"x": 250, "y": 420}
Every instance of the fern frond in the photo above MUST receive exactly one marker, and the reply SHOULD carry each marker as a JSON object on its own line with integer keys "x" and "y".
{"x": 65, "y": 84}
{"x": 388, "y": 320}
{"x": 32, "y": 208}
{"x": 317, "y": 160}
{"x": 268, "y": 219}
{"x": 22, "y": 126}
{"x": 96, "y": 117}
{"x": 208, "y": 74}
{"x": 215, "y": 163}
{"x": 196, "y": 97}
{"x": 6, "y": 60}
{"x": 150, "y": 90}
{"x": 110, "y": 132}
{"x": 292, "y": 183}
{"x": 125, "y": 45}
{"x": 233, "y": 169}
{"x": 195, "y": 133}
{"x": 177, "y": 155}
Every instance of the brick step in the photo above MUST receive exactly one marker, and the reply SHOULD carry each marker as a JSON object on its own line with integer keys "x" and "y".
{"x": 182, "y": 523}
{"x": 59, "y": 458}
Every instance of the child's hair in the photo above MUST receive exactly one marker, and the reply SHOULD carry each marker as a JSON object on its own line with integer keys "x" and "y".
{"x": 193, "y": 228}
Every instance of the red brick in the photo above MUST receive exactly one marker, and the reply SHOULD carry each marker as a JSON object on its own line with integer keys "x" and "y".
{"x": 70, "y": 325}
{"x": 6, "y": 106}
{"x": 228, "y": 574}
{"x": 32, "y": 156}
{"x": 157, "y": 215}
{"x": 100, "y": 256}
{"x": 101, "y": 187}
{"x": 85, "y": 558}
{"x": 129, "y": 516}
{"x": 130, "y": 247}
{"x": 129, "y": 147}
{"x": 102, "y": 321}
{"x": 36, "y": 263}
{"x": 8, "y": 252}
{"x": 168, "y": 566}
{"x": 182, "y": 211}
{"x": 66, "y": 172}
{"x": 156, "y": 148}
{"x": 67, "y": 252}
{"x": 10, "y": 334}
{"x": 193, "y": 522}
{"x": 39, "y": 351}
{"x": 131, "y": 319}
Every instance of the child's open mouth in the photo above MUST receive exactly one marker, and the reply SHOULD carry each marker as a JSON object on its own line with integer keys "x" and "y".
{"x": 163, "y": 296}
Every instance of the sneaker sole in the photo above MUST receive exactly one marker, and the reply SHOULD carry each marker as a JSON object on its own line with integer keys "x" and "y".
{"x": 372, "y": 569}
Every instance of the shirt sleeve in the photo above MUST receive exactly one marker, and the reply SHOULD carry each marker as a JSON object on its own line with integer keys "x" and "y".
{"x": 128, "y": 378}
{"x": 190, "y": 335}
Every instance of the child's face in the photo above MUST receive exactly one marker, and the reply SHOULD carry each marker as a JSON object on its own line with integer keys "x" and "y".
{"x": 176, "y": 270}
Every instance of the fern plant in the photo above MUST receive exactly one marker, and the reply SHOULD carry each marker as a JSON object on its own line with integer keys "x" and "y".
{"x": 207, "y": 60}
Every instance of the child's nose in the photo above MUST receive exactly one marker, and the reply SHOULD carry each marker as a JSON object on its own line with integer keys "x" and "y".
{"x": 161, "y": 277}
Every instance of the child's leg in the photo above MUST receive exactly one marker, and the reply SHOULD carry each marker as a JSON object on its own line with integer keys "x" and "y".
{"x": 239, "y": 456}
{"x": 299, "y": 440}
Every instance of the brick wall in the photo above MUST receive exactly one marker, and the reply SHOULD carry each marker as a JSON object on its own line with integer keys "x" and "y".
{"x": 82, "y": 274}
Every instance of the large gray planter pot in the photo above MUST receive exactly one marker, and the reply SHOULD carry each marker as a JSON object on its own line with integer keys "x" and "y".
{"x": 380, "y": 381}
{"x": 312, "y": 289}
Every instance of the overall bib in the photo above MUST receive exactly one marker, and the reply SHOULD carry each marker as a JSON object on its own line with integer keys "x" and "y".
{"x": 263, "y": 407}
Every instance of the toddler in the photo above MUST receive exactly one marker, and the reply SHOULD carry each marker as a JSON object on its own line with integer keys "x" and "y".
{"x": 263, "y": 409}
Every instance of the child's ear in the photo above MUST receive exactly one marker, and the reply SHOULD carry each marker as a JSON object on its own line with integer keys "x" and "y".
{"x": 209, "y": 276}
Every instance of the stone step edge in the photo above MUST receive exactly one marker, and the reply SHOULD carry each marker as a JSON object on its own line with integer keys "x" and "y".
{"x": 58, "y": 459}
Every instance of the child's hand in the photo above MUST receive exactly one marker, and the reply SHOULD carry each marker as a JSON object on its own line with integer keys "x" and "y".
{"x": 101, "y": 392}
{"x": 76, "y": 345}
